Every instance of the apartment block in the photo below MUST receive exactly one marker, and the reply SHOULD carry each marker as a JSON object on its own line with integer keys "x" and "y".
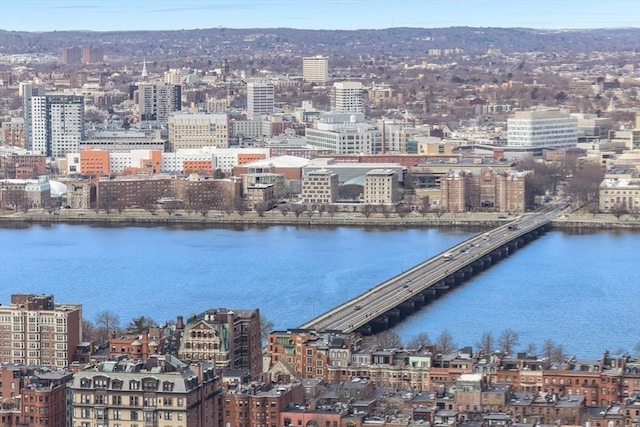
{"x": 13, "y": 132}
{"x": 36, "y": 331}
{"x": 347, "y": 97}
{"x": 156, "y": 101}
{"x": 260, "y": 99}
{"x": 231, "y": 339}
{"x": 24, "y": 166}
{"x": 161, "y": 391}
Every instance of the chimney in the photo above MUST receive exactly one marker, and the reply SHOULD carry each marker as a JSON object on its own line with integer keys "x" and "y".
{"x": 180, "y": 323}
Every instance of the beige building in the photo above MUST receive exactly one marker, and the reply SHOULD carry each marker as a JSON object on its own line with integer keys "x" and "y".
{"x": 161, "y": 391}
{"x": 36, "y": 331}
{"x": 315, "y": 69}
{"x": 198, "y": 130}
{"x": 620, "y": 193}
{"x": 381, "y": 187}
{"x": 320, "y": 186}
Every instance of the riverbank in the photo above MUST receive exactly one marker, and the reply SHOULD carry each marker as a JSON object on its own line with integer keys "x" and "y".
{"x": 414, "y": 220}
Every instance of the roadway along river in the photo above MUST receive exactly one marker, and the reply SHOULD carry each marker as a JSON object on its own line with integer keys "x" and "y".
{"x": 581, "y": 290}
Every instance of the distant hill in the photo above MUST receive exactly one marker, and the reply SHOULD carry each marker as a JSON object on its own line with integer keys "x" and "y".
{"x": 396, "y": 42}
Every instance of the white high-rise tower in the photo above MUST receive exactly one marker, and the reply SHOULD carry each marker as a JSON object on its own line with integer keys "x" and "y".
{"x": 260, "y": 99}
{"x": 348, "y": 97}
{"x": 315, "y": 69}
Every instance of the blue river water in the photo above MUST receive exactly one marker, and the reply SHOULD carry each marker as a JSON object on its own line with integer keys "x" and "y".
{"x": 580, "y": 290}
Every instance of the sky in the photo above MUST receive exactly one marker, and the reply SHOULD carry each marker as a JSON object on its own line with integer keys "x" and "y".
{"x": 114, "y": 15}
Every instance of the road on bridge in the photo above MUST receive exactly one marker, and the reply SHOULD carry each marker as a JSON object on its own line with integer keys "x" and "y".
{"x": 386, "y": 296}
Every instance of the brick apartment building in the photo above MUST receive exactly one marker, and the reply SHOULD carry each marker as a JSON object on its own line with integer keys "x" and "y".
{"x": 23, "y": 166}
{"x": 33, "y": 396}
{"x": 230, "y": 339}
{"x": 43, "y": 333}
{"x": 462, "y": 191}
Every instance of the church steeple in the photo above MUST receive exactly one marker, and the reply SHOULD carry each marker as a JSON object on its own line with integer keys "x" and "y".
{"x": 144, "y": 69}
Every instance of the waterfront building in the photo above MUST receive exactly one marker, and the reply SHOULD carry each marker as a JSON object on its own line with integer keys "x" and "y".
{"x": 347, "y": 97}
{"x": 230, "y": 339}
{"x": 320, "y": 186}
{"x": 260, "y": 176}
{"x": 25, "y": 193}
{"x": 198, "y": 130}
{"x": 81, "y": 194}
{"x": 43, "y": 333}
{"x": 461, "y": 190}
{"x": 260, "y": 197}
{"x": 381, "y": 187}
{"x": 159, "y": 391}
{"x": 619, "y": 191}
{"x": 352, "y": 170}
{"x": 260, "y": 99}
{"x": 315, "y": 69}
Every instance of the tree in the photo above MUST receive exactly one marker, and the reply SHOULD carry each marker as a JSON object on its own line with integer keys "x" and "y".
{"x": 530, "y": 349}
{"x": 106, "y": 323}
{"x": 388, "y": 339}
{"x": 425, "y": 206}
{"x": 547, "y": 348}
{"x": 218, "y": 174}
{"x": 486, "y": 343}
{"x": 418, "y": 341}
{"x": 367, "y": 210}
{"x": 140, "y": 325}
{"x": 266, "y": 327}
{"x": 332, "y": 210}
{"x": 402, "y": 210}
{"x": 298, "y": 210}
{"x": 619, "y": 210}
{"x": 284, "y": 210}
{"x": 241, "y": 206}
{"x": 558, "y": 354}
{"x": 261, "y": 208}
{"x": 89, "y": 332}
{"x": 444, "y": 343}
{"x": 508, "y": 340}
{"x": 585, "y": 183}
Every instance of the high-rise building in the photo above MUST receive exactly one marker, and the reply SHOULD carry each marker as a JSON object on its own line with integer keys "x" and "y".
{"x": 56, "y": 124}
{"x": 71, "y": 55}
{"x": 260, "y": 99}
{"x": 156, "y": 101}
{"x": 347, "y": 97}
{"x": 198, "y": 130}
{"x": 315, "y": 69}
{"x": 531, "y": 131}
{"x": 92, "y": 55}
{"x": 27, "y": 91}
{"x": 42, "y": 332}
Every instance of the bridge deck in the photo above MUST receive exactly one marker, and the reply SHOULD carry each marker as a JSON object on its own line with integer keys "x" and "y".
{"x": 432, "y": 273}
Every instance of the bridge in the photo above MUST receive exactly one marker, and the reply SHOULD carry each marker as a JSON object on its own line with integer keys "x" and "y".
{"x": 388, "y": 303}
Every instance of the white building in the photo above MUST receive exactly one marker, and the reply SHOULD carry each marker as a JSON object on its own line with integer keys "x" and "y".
{"x": 353, "y": 137}
{"x": 224, "y": 159}
{"x": 57, "y": 124}
{"x": 347, "y": 97}
{"x": 381, "y": 187}
{"x": 188, "y": 130}
{"x": 260, "y": 98}
{"x": 531, "y": 131}
{"x": 315, "y": 69}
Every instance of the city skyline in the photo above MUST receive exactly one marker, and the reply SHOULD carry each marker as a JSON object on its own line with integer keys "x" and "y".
{"x": 118, "y": 15}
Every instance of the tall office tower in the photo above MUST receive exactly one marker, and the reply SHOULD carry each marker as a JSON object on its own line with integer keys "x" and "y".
{"x": 347, "y": 97}
{"x": 71, "y": 55}
{"x": 57, "y": 124}
{"x": 27, "y": 91}
{"x": 315, "y": 69}
{"x": 156, "y": 101}
{"x": 260, "y": 97}
{"x": 92, "y": 55}
{"x": 543, "y": 127}
{"x": 41, "y": 332}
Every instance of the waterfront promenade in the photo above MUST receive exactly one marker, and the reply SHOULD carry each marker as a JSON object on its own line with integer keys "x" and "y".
{"x": 471, "y": 219}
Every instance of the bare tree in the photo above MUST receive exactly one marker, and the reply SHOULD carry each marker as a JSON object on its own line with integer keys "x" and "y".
{"x": 425, "y": 206}
{"x": 402, "y": 210}
{"x": 261, "y": 208}
{"x": 388, "y": 339}
{"x": 241, "y": 206}
{"x": 619, "y": 210}
{"x": 284, "y": 210}
{"x": 508, "y": 340}
{"x": 106, "y": 323}
{"x": 548, "y": 348}
{"x": 298, "y": 210}
{"x": 419, "y": 341}
{"x": 531, "y": 349}
{"x": 444, "y": 343}
{"x": 486, "y": 343}
{"x": 367, "y": 210}
{"x": 332, "y": 209}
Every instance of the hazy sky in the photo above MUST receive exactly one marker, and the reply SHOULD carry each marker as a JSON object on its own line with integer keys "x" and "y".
{"x": 106, "y": 15}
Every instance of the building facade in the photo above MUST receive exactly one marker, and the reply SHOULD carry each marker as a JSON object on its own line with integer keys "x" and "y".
{"x": 347, "y": 97}
{"x": 156, "y": 101}
{"x": 43, "y": 333}
{"x": 542, "y": 128}
{"x": 320, "y": 186}
{"x": 198, "y": 130}
{"x": 56, "y": 125}
{"x": 315, "y": 69}
{"x": 260, "y": 99}
{"x": 381, "y": 187}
